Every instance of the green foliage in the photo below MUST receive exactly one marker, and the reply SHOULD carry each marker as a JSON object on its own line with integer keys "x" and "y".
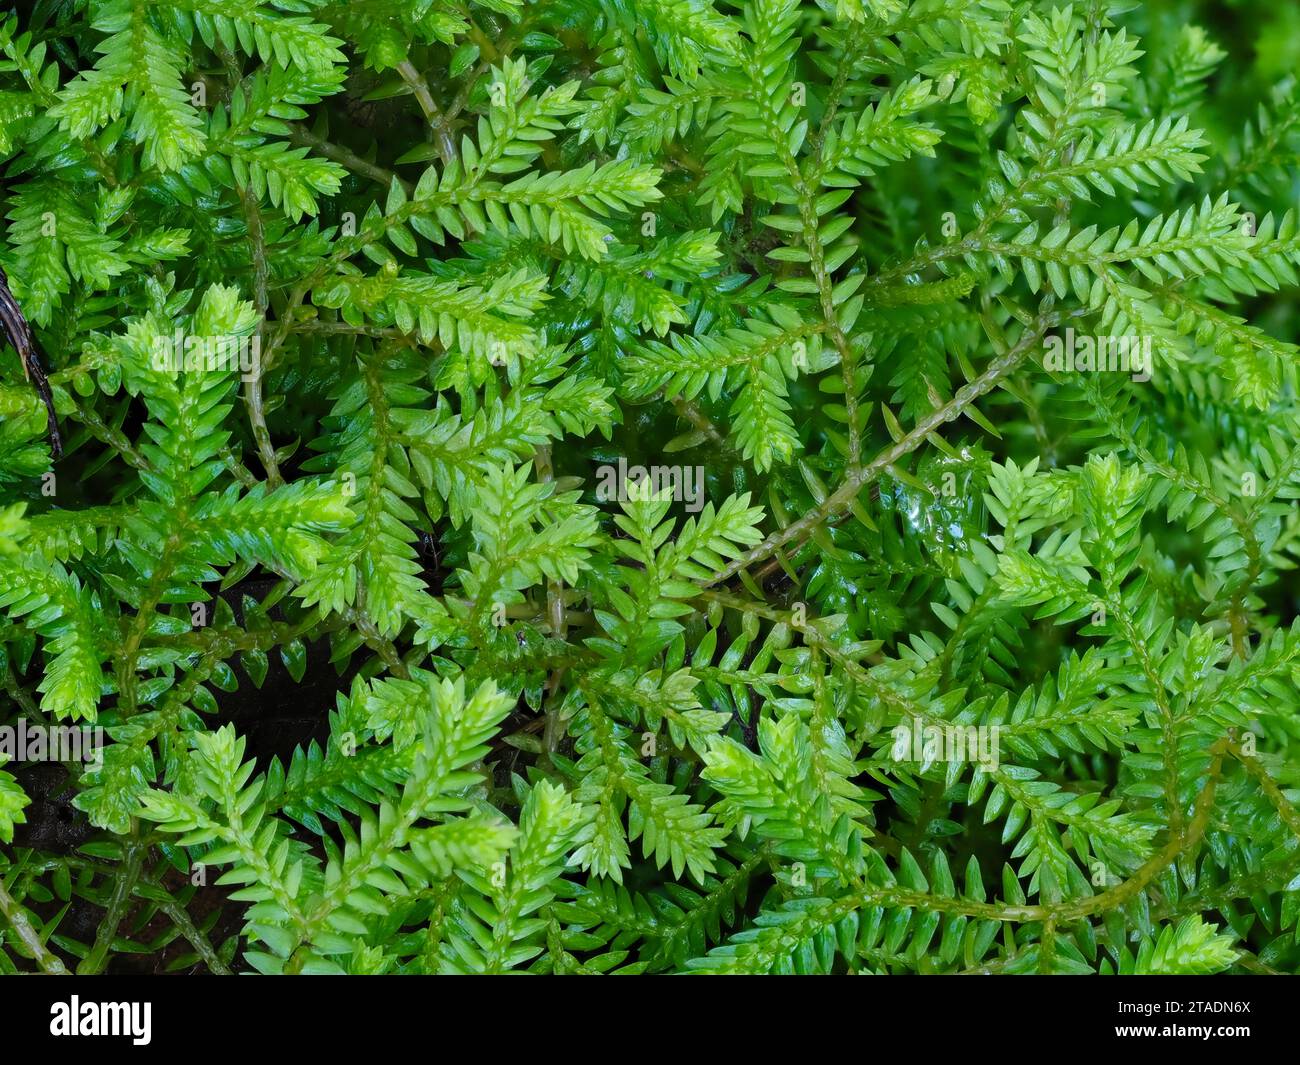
{"x": 640, "y": 486}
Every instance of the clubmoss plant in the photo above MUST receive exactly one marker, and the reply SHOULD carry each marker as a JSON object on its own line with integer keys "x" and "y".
{"x": 632, "y": 486}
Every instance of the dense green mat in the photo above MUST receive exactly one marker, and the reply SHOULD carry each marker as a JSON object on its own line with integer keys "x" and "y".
{"x": 650, "y": 485}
